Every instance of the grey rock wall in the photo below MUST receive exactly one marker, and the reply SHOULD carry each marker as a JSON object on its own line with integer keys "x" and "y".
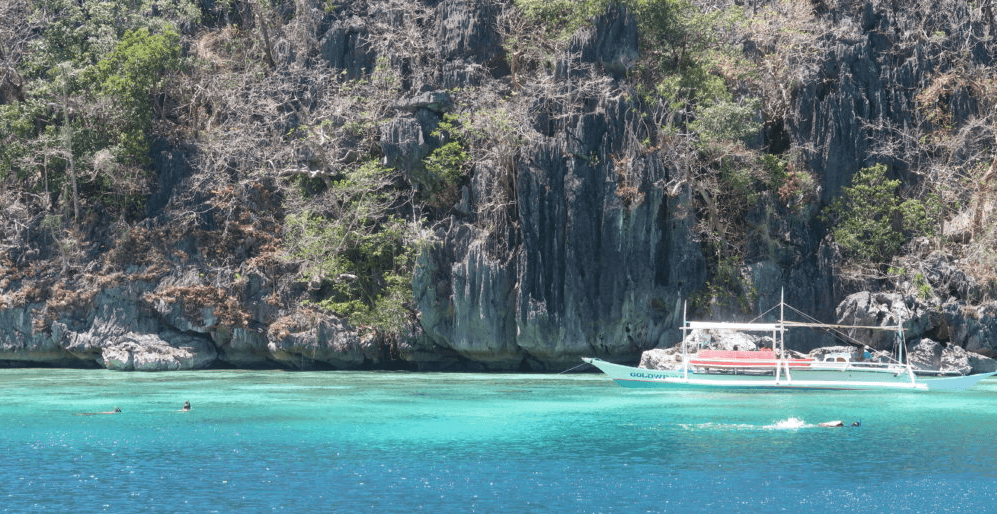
{"x": 344, "y": 46}
{"x": 879, "y": 56}
{"x": 966, "y": 328}
{"x": 587, "y": 275}
{"x": 573, "y": 269}
{"x": 572, "y": 265}
{"x": 120, "y": 329}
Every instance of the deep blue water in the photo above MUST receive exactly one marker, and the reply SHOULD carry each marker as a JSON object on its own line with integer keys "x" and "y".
{"x": 403, "y": 442}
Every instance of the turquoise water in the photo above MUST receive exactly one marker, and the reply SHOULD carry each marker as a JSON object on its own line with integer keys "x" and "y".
{"x": 403, "y": 442}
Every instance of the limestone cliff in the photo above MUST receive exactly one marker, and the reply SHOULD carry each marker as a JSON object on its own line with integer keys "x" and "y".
{"x": 577, "y": 231}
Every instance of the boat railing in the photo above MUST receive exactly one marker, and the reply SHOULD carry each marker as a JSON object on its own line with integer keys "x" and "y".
{"x": 783, "y": 361}
{"x": 891, "y": 367}
{"x": 735, "y": 354}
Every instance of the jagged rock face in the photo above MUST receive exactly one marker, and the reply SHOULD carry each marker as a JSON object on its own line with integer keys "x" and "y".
{"x": 977, "y": 363}
{"x": 802, "y": 274}
{"x": 403, "y": 143}
{"x": 869, "y": 80}
{"x": 243, "y": 348}
{"x": 468, "y": 304}
{"x": 612, "y": 42}
{"x": 932, "y": 355}
{"x": 882, "y": 310}
{"x": 972, "y": 327}
{"x": 148, "y": 352}
{"x": 116, "y": 334}
{"x": 831, "y": 112}
{"x": 948, "y": 280}
{"x": 588, "y": 275}
{"x": 301, "y": 341}
{"x": 120, "y": 329}
{"x": 574, "y": 287}
{"x": 662, "y": 358}
{"x": 577, "y": 270}
{"x": 21, "y": 344}
{"x": 926, "y": 354}
{"x": 171, "y": 167}
{"x": 344, "y": 46}
{"x": 969, "y": 328}
{"x": 467, "y": 31}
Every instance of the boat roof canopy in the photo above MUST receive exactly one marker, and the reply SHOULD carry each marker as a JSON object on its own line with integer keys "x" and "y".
{"x": 744, "y": 327}
{"x": 831, "y": 325}
{"x": 771, "y": 327}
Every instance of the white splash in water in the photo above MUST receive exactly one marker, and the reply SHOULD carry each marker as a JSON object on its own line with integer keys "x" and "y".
{"x": 789, "y": 424}
{"x": 785, "y": 424}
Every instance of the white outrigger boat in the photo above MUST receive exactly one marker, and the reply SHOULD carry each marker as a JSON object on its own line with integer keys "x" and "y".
{"x": 774, "y": 369}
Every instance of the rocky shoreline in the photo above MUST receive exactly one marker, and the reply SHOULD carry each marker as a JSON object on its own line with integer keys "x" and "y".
{"x": 125, "y": 331}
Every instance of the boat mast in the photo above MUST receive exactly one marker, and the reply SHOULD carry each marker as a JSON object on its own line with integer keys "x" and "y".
{"x": 685, "y": 356}
{"x": 910, "y": 369}
{"x": 782, "y": 321}
{"x": 781, "y": 359}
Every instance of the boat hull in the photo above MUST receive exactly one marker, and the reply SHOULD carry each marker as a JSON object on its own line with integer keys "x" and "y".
{"x": 818, "y": 378}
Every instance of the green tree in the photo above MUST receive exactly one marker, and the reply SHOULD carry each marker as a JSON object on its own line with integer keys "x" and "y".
{"x": 865, "y": 216}
{"x": 562, "y": 17}
{"x": 357, "y": 256}
{"x": 725, "y": 122}
{"x": 128, "y": 77}
{"x": 446, "y": 166}
{"x": 680, "y": 51}
{"x": 91, "y": 73}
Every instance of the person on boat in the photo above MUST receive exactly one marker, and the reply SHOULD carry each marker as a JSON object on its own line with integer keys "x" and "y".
{"x": 186, "y": 406}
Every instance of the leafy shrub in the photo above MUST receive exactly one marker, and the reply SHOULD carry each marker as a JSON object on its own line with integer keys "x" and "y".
{"x": 358, "y": 256}
{"x": 865, "y": 214}
{"x": 727, "y": 121}
{"x": 776, "y": 170}
{"x": 562, "y": 17}
{"x": 870, "y": 221}
{"x": 127, "y": 76}
{"x": 921, "y": 217}
{"x": 446, "y": 166}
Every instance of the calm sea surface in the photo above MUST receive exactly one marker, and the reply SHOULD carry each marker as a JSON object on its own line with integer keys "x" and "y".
{"x": 404, "y": 442}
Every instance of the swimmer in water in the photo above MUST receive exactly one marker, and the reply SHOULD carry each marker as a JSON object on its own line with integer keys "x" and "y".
{"x": 115, "y": 411}
{"x": 186, "y": 406}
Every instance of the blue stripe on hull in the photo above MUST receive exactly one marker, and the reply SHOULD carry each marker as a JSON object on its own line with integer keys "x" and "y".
{"x": 646, "y": 384}
{"x": 806, "y": 379}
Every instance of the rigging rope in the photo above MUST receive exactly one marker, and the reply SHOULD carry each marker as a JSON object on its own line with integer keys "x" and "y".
{"x": 756, "y": 318}
{"x": 833, "y": 328}
{"x": 576, "y": 367}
